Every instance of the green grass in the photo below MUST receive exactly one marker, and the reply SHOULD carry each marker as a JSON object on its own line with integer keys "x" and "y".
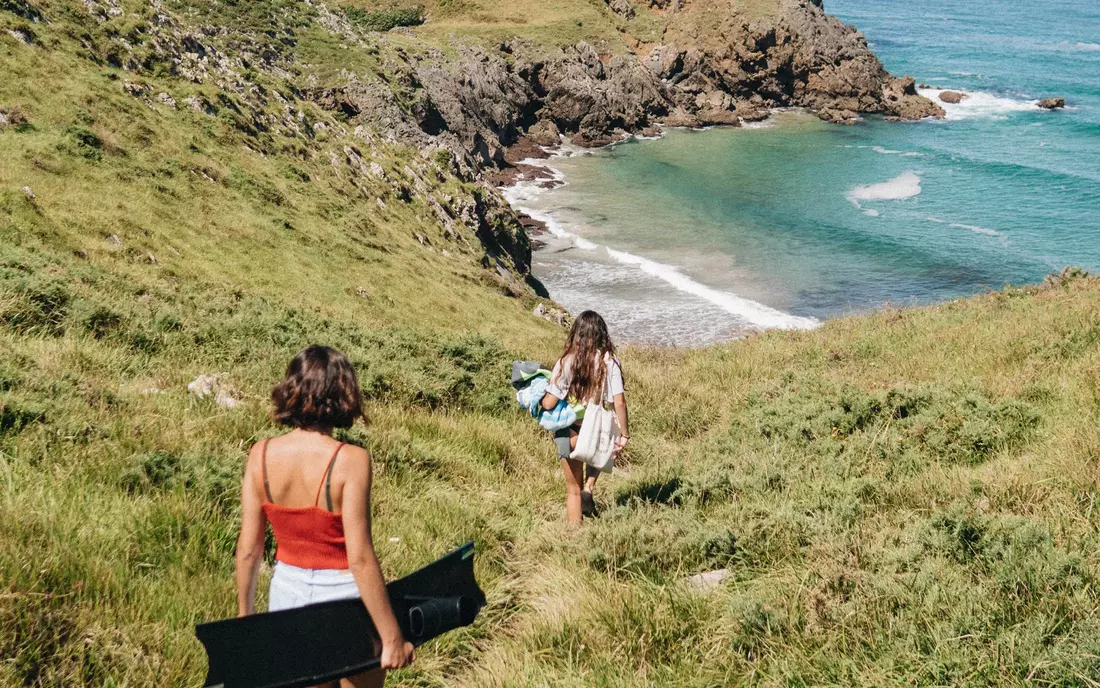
{"x": 902, "y": 498}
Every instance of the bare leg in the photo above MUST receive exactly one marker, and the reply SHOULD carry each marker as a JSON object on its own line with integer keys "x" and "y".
{"x": 588, "y": 505}
{"x": 574, "y": 476}
{"x": 590, "y": 481}
{"x": 371, "y": 679}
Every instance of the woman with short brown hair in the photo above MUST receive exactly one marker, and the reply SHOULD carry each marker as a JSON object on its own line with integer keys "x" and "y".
{"x": 315, "y": 492}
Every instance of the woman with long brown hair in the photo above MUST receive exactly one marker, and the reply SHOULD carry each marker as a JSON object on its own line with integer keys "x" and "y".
{"x": 315, "y": 492}
{"x": 587, "y": 372}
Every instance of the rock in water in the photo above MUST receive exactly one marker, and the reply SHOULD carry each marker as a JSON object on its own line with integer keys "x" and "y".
{"x": 952, "y": 97}
{"x": 901, "y": 99}
{"x": 1052, "y": 103}
{"x": 838, "y": 116}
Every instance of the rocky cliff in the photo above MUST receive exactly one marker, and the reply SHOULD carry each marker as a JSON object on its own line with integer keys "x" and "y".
{"x": 456, "y": 106}
{"x": 716, "y": 63}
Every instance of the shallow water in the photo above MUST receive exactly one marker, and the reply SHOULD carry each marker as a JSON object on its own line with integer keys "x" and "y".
{"x": 703, "y": 235}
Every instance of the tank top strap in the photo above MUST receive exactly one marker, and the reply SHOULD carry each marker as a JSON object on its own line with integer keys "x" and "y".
{"x": 326, "y": 480}
{"x": 263, "y": 465}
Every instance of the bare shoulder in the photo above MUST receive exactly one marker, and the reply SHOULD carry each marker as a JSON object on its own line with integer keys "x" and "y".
{"x": 255, "y": 455}
{"x": 354, "y": 460}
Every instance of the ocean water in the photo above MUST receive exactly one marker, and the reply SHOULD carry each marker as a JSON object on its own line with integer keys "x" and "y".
{"x": 701, "y": 236}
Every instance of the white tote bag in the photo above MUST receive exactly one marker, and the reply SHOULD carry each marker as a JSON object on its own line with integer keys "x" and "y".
{"x": 598, "y": 436}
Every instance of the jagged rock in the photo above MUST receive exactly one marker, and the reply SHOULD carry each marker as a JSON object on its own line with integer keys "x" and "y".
{"x": 900, "y": 98}
{"x": 136, "y": 89}
{"x": 715, "y": 107}
{"x": 113, "y": 239}
{"x": 167, "y": 100}
{"x": 479, "y": 99}
{"x": 216, "y": 386}
{"x": 22, "y": 35}
{"x": 28, "y": 193}
{"x": 11, "y": 117}
{"x": 199, "y": 103}
{"x": 664, "y": 61}
{"x": 544, "y": 133}
{"x": 557, "y": 316}
{"x": 708, "y": 581}
{"x": 1052, "y": 103}
{"x": 952, "y": 97}
{"x": 593, "y": 99}
{"x": 836, "y": 116}
{"x": 524, "y": 149}
{"x": 623, "y": 8}
{"x": 681, "y": 118}
{"x": 751, "y": 111}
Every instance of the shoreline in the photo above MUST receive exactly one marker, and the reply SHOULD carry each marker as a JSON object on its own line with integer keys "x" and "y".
{"x": 536, "y": 175}
{"x": 534, "y": 171}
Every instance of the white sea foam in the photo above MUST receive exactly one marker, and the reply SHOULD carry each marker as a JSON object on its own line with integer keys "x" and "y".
{"x": 1087, "y": 47}
{"x": 905, "y": 185}
{"x": 976, "y": 229}
{"x": 766, "y": 123}
{"x": 520, "y": 196}
{"x": 887, "y": 151}
{"x": 755, "y": 314}
{"x": 978, "y": 104}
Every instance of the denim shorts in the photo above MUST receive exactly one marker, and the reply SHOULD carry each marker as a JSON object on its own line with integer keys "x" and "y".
{"x": 562, "y": 438}
{"x": 293, "y": 587}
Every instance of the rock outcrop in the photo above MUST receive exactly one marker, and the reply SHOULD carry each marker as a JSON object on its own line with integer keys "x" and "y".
{"x": 456, "y": 114}
{"x": 715, "y": 65}
{"x": 1052, "y": 103}
{"x": 952, "y": 97}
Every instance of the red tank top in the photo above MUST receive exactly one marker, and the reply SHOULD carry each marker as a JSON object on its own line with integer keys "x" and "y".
{"x": 308, "y": 537}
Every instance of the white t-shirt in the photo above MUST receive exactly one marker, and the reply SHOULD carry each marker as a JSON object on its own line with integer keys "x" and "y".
{"x": 562, "y": 377}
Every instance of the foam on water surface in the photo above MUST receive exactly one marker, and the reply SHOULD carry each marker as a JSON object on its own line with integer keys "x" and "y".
{"x": 978, "y": 104}
{"x": 700, "y": 236}
{"x": 905, "y": 185}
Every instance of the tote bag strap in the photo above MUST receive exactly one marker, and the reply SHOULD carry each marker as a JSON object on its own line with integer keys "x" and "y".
{"x": 606, "y": 381}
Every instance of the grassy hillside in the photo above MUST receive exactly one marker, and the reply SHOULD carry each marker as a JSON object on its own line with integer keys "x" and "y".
{"x": 900, "y": 498}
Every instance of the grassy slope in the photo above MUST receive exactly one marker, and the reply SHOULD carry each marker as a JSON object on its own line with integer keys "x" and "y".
{"x": 902, "y": 498}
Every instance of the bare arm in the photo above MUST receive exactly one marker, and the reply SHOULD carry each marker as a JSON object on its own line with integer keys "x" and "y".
{"x": 549, "y": 401}
{"x": 363, "y": 561}
{"x": 623, "y": 416}
{"x": 559, "y": 377}
{"x": 250, "y": 543}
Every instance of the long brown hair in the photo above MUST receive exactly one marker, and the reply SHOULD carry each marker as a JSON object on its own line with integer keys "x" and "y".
{"x": 585, "y": 348}
{"x": 320, "y": 390}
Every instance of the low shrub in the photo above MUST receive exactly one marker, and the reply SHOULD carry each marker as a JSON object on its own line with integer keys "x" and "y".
{"x": 386, "y": 19}
{"x": 660, "y": 545}
{"x": 950, "y": 425}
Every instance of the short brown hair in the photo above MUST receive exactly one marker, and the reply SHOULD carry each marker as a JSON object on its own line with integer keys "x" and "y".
{"x": 320, "y": 390}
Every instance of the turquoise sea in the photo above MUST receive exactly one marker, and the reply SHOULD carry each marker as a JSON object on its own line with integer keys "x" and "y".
{"x": 702, "y": 235}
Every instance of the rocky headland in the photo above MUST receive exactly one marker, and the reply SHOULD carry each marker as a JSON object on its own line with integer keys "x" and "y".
{"x": 714, "y": 65}
{"x": 469, "y": 109}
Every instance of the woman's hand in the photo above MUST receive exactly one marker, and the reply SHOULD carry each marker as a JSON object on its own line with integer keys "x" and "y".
{"x": 397, "y": 654}
{"x": 620, "y": 444}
